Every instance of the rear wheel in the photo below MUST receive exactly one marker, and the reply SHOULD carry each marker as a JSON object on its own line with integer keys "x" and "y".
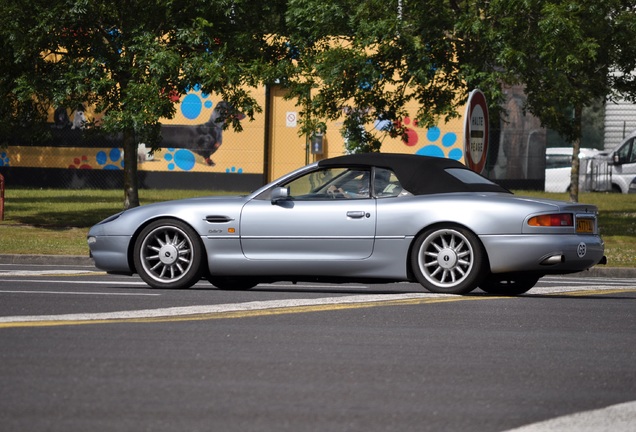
{"x": 507, "y": 285}
{"x": 168, "y": 254}
{"x": 448, "y": 259}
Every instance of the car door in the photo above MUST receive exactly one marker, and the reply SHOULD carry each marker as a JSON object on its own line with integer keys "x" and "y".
{"x": 624, "y": 168}
{"x": 329, "y": 215}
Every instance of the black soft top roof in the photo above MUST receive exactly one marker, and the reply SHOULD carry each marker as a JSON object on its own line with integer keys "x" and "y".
{"x": 420, "y": 175}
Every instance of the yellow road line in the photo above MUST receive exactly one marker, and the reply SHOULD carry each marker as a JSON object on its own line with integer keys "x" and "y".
{"x": 581, "y": 293}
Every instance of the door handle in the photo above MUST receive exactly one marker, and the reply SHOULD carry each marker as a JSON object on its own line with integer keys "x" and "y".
{"x": 357, "y": 214}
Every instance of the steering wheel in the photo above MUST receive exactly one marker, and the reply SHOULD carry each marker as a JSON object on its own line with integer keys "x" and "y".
{"x": 336, "y": 193}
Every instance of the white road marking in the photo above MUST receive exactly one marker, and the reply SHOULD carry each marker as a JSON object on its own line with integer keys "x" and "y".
{"x": 75, "y": 293}
{"x": 46, "y": 272}
{"x": 271, "y": 304}
{"x": 561, "y": 289}
{"x": 587, "y": 281}
{"x": 615, "y": 418}
{"x": 230, "y": 307}
{"x": 70, "y": 282}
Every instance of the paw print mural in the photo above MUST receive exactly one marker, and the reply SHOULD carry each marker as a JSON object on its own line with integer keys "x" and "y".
{"x": 193, "y": 103}
{"x": 202, "y": 134}
{"x": 112, "y": 160}
{"x": 80, "y": 162}
{"x": 444, "y": 148}
{"x": 4, "y": 159}
{"x": 436, "y": 142}
{"x": 180, "y": 159}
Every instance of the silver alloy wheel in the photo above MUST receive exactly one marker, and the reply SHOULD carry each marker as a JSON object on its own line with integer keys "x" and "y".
{"x": 166, "y": 254}
{"x": 446, "y": 258}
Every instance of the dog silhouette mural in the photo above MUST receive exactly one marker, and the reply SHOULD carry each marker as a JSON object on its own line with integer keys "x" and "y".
{"x": 203, "y": 139}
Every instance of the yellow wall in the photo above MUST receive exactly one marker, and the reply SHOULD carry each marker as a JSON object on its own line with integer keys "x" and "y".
{"x": 288, "y": 149}
{"x": 240, "y": 152}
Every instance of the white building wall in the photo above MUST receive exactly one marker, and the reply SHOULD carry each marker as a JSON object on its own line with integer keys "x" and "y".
{"x": 620, "y": 120}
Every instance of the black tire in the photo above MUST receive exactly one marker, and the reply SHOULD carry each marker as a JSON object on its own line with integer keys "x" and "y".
{"x": 508, "y": 285}
{"x": 448, "y": 259}
{"x": 168, "y": 254}
{"x": 232, "y": 284}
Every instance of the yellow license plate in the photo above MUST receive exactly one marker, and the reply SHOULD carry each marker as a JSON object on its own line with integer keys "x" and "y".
{"x": 584, "y": 225}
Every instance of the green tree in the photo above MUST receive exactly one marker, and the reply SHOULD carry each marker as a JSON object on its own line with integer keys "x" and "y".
{"x": 128, "y": 58}
{"x": 367, "y": 60}
{"x": 21, "y": 116}
{"x": 568, "y": 54}
{"x": 374, "y": 57}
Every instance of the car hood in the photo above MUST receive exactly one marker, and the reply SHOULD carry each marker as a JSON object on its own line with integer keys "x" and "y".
{"x": 191, "y": 210}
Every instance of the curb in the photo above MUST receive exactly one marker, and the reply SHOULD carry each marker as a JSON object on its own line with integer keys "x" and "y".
{"x": 608, "y": 272}
{"x": 62, "y": 260}
{"x": 85, "y": 261}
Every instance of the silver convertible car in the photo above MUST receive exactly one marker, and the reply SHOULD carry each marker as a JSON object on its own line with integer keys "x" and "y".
{"x": 367, "y": 218}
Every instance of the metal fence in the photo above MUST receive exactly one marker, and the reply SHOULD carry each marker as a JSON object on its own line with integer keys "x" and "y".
{"x": 81, "y": 160}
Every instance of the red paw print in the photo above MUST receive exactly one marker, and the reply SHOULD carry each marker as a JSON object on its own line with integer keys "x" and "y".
{"x": 80, "y": 163}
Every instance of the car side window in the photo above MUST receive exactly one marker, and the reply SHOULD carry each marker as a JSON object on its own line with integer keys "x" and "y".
{"x": 331, "y": 183}
{"x": 386, "y": 184}
{"x": 558, "y": 161}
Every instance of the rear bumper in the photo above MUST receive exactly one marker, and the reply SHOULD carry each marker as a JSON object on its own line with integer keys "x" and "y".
{"x": 548, "y": 254}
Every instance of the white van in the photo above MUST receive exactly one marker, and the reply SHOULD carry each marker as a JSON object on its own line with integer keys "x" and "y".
{"x": 558, "y": 168}
{"x": 623, "y": 160}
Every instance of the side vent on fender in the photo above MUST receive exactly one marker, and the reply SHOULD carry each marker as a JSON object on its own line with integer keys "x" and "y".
{"x": 218, "y": 219}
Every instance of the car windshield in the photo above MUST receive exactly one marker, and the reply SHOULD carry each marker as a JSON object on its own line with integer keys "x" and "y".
{"x": 627, "y": 153}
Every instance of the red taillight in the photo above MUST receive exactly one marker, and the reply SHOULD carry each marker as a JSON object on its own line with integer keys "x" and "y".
{"x": 554, "y": 220}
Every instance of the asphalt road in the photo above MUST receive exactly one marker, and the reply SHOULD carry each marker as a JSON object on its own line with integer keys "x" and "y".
{"x": 81, "y": 350}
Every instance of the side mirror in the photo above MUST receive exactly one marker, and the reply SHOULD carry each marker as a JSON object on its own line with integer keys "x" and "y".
{"x": 616, "y": 159}
{"x": 279, "y": 194}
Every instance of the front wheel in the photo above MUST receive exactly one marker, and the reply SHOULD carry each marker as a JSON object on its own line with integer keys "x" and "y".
{"x": 506, "y": 285}
{"x": 448, "y": 259}
{"x": 168, "y": 254}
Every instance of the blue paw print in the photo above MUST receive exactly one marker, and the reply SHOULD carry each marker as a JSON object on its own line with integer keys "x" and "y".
{"x": 234, "y": 170}
{"x": 193, "y": 103}
{"x": 4, "y": 159}
{"x": 448, "y": 140}
{"x": 113, "y": 160}
{"x": 179, "y": 158}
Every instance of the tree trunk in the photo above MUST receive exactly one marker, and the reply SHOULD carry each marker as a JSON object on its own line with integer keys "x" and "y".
{"x": 576, "y": 148}
{"x": 131, "y": 182}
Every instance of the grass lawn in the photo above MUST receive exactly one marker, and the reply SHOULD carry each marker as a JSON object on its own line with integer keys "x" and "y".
{"x": 55, "y": 222}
